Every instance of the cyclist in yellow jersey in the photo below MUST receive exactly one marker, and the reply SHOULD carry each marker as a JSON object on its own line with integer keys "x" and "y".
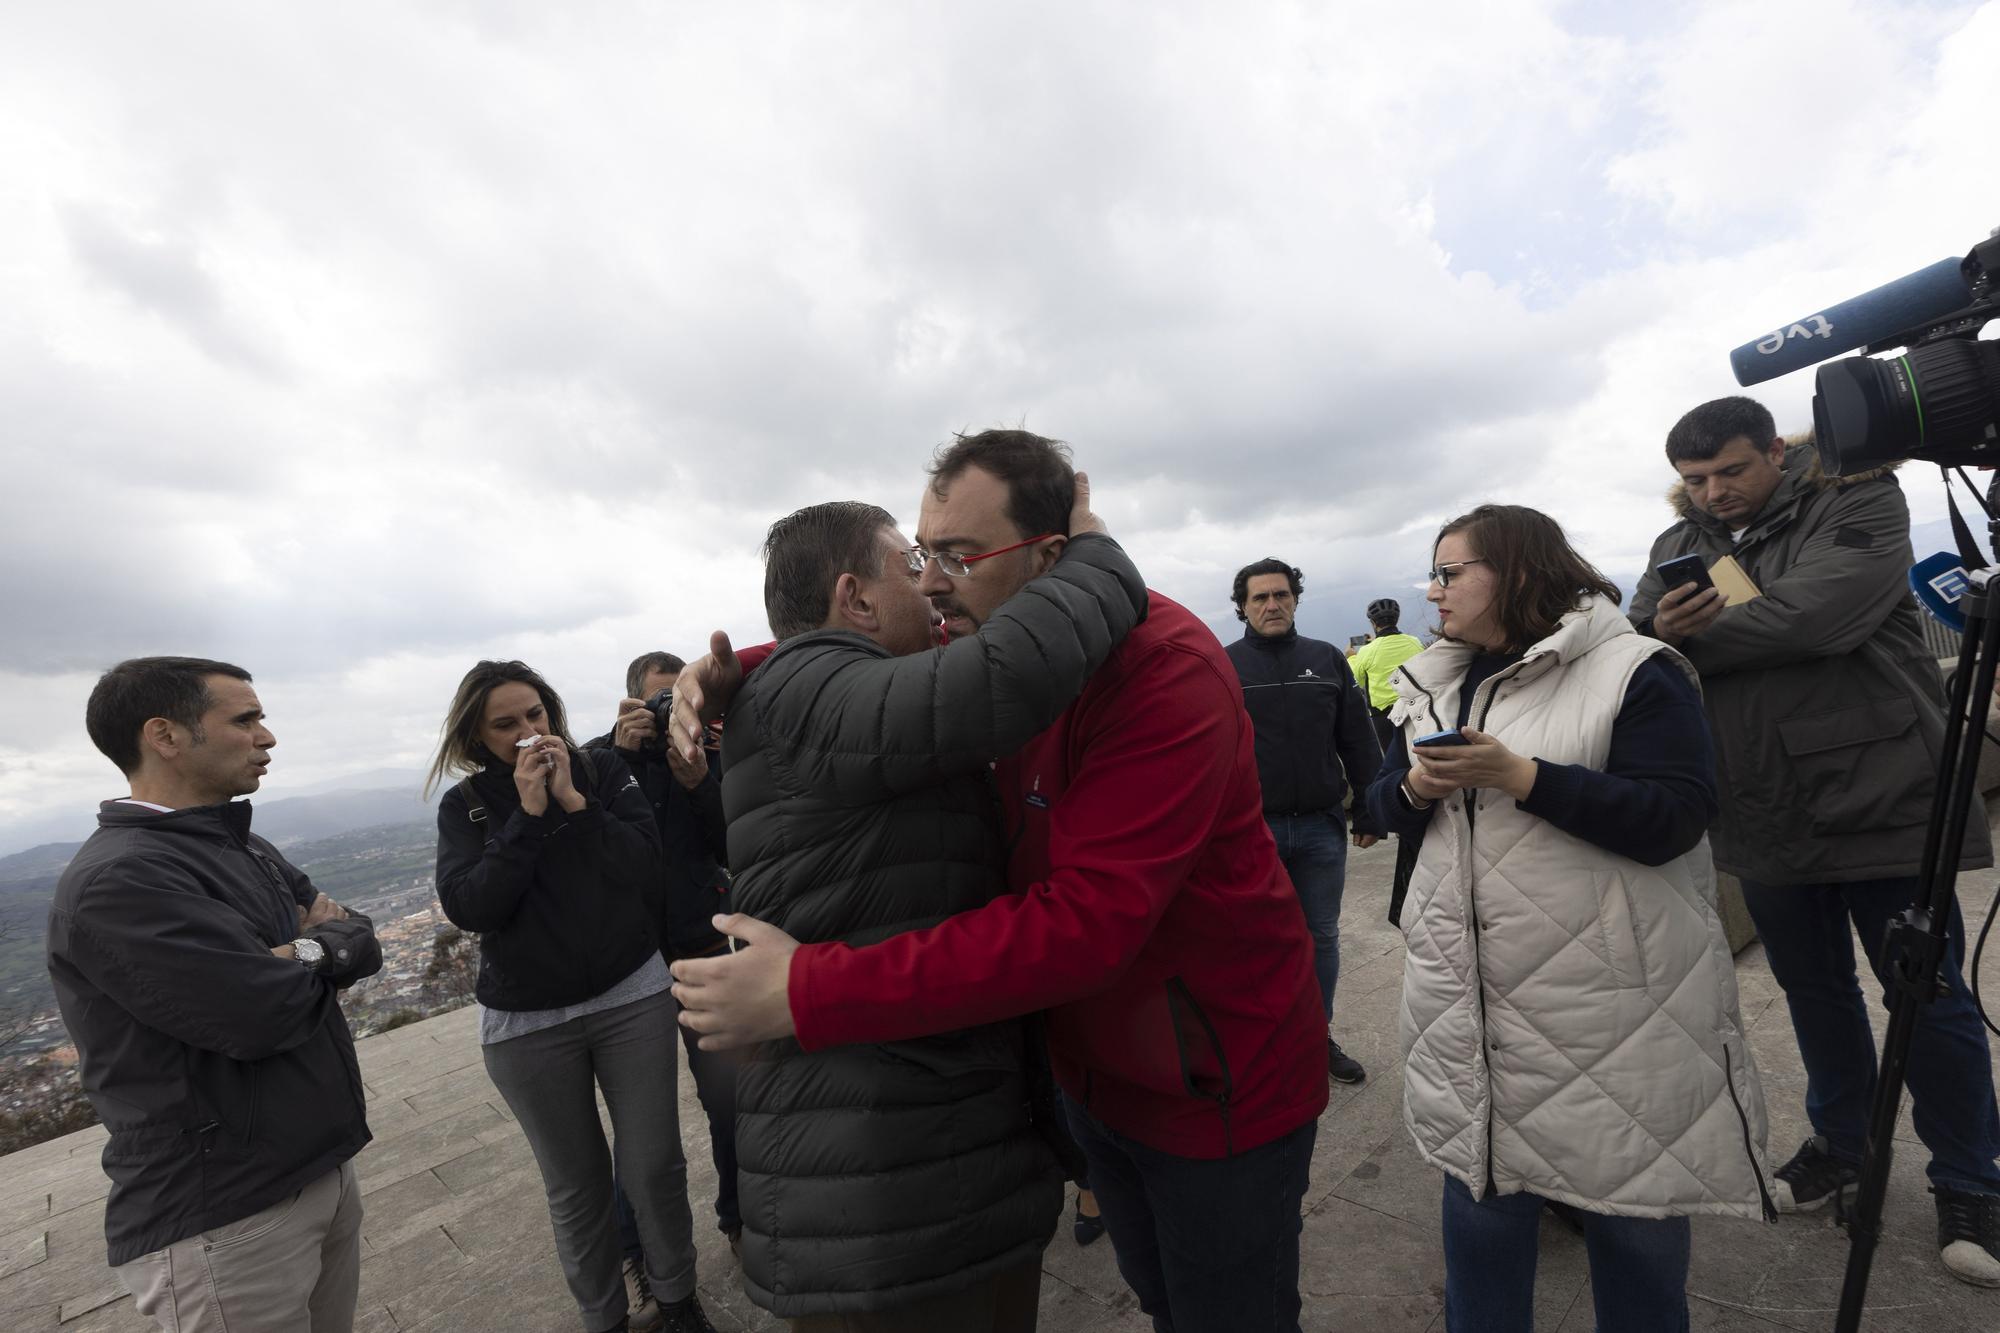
{"x": 1376, "y": 662}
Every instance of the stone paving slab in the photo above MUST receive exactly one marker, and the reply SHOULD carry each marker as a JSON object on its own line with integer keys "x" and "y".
{"x": 456, "y": 1234}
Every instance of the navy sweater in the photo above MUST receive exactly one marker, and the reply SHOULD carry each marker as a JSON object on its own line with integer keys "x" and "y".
{"x": 1652, "y": 801}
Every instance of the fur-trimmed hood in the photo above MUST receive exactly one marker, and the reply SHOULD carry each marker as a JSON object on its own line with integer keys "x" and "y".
{"x": 1802, "y": 462}
{"x": 1823, "y": 678}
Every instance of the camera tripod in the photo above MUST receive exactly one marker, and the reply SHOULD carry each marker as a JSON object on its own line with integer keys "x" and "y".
{"x": 1915, "y": 943}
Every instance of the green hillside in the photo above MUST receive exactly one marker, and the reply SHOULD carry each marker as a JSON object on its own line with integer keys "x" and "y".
{"x": 353, "y": 867}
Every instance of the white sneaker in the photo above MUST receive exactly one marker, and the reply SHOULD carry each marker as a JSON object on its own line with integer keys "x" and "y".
{"x": 1969, "y": 1235}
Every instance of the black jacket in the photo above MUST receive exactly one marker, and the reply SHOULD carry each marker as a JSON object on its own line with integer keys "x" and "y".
{"x": 564, "y": 904}
{"x": 225, "y": 1073}
{"x": 1311, "y": 722}
{"x": 693, "y": 840}
{"x": 860, "y": 806}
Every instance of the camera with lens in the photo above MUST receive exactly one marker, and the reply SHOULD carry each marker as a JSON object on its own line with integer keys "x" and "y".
{"x": 1937, "y": 400}
{"x": 661, "y": 706}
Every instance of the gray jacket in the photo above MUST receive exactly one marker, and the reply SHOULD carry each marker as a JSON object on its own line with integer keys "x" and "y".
{"x": 1827, "y": 709}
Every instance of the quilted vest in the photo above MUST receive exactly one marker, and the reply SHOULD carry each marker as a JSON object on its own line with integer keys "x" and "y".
{"x": 1569, "y": 1018}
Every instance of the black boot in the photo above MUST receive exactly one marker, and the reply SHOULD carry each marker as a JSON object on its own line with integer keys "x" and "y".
{"x": 684, "y": 1316}
{"x": 1086, "y": 1229}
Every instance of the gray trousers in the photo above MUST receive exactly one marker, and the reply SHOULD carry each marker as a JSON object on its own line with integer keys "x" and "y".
{"x": 549, "y": 1080}
{"x": 295, "y": 1267}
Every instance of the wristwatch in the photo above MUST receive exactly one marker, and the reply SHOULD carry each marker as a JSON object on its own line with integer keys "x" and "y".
{"x": 310, "y": 952}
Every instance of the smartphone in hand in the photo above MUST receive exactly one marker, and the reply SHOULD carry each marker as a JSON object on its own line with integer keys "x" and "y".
{"x": 1685, "y": 569}
{"x": 1438, "y": 739}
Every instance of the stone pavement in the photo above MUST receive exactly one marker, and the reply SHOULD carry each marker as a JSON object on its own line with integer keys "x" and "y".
{"x": 457, "y": 1234}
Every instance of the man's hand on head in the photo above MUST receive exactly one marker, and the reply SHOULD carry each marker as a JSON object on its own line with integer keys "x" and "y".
{"x": 1685, "y": 612}
{"x": 635, "y": 729}
{"x": 1081, "y": 518}
{"x": 703, "y": 694}
{"x": 741, "y": 998}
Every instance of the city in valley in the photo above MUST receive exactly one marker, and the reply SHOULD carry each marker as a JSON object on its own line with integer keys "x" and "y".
{"x": 382, "y": 870}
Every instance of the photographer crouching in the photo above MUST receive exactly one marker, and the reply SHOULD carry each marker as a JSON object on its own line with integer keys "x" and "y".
{"x": 686, "y": 797}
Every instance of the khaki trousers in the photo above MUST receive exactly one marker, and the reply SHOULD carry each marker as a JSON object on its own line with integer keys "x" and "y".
{"x": 293, "y": 1268}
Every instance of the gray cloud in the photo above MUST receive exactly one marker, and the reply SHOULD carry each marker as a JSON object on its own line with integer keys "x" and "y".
{"x": 167, "y": 279}
{"x": 369, "y": 340}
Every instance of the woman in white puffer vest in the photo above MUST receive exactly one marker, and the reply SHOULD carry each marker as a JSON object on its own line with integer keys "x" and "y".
{"x": 1569, "y": 1017}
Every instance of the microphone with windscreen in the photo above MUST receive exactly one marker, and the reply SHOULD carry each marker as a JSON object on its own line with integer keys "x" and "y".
{"x": 1909, "y": 302}
{"x": 1940, "y": 583}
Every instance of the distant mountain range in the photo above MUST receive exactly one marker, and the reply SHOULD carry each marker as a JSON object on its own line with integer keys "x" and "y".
{"x": 356, "y": 845}
{"x": 389, "y": 797}
{"x": 392, "y": 796}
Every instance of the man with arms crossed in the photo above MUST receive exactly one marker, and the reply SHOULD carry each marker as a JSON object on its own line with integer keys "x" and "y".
{"x": 196, "y": 970}
{"x": 1150, "y": 916}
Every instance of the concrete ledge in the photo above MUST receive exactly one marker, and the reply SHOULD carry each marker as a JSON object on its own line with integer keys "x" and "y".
{"x": 456, "y": 1234}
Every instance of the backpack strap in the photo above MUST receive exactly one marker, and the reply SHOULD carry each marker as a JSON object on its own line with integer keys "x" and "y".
{"x": 475, "y": 809}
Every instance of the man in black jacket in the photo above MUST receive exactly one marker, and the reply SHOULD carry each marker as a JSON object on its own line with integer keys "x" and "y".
{"x": 904, "y": 1185}
{"x": 1312, "y": 723}
{"x": 687, "y": 806}
{"x": 196, "y": 971}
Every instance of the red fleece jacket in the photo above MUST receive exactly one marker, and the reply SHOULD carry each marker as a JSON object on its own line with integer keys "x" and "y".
{"x": 1151, "y": 917}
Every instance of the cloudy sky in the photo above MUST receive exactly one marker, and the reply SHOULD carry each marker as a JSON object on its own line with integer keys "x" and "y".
{"x": 356, "y": 342}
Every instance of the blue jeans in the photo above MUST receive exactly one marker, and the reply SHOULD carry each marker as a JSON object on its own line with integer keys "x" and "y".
{"x": 1208, "y": 1246}
{"x": 1314, "y": 850}
{"x": 1950, "y": 1076}
{"x": 715, "y": 1084}
{"x": 1638, "y": 1266}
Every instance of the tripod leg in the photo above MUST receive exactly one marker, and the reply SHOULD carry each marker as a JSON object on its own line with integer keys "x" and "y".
{"x": 1916, "y": 943}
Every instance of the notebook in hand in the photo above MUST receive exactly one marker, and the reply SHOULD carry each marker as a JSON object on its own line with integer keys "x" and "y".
{"x": 1735, "y": 585}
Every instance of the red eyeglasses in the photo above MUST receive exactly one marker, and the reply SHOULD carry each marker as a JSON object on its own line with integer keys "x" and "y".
{"x": 958, "y": 566}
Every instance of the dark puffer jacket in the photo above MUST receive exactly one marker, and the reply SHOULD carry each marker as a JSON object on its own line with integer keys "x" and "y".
{"x": 859, "y": 807}
{"x": 564, "y": 904}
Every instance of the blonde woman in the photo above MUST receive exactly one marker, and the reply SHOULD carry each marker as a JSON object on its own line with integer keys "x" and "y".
{"x": 551, "y": 853}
